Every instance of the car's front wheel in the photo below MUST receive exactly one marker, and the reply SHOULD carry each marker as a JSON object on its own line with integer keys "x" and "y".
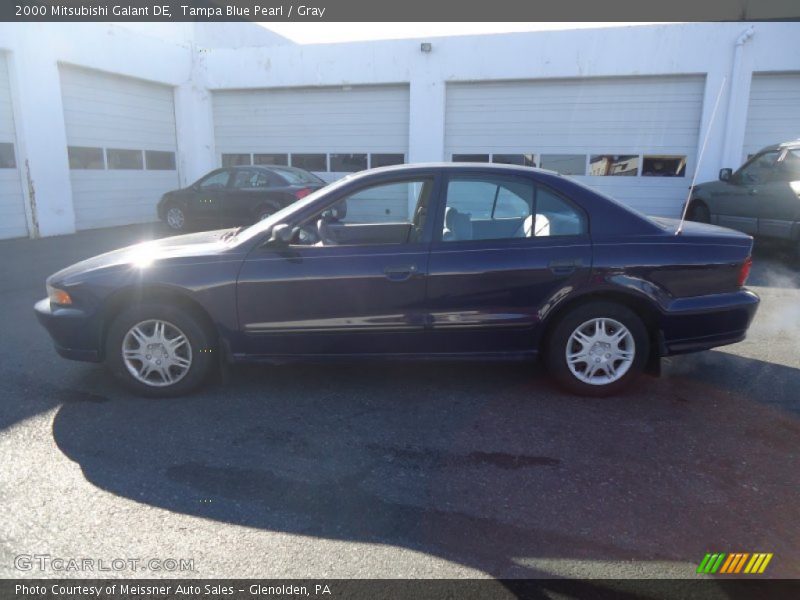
{"x": 597, "y": 349}
{"x": 699, "y": 212}
{"x": 175, "y": 218}
{"x": 159, "y": 350}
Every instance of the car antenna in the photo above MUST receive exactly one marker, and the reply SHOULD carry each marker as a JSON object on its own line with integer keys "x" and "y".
{"x": 700, "y": 158}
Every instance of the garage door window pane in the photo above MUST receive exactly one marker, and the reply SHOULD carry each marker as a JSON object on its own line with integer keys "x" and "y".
{"x": 232, "y": 160}
{"x": 157, "y": 160}
{"x": 475, "y": 158}
{"x": 349, "y": 163}
{"x": 271, "y": 159}
{"x": 310, "y": 162}
{"x": 7, "y": 159}
{"x": 524, "y": 160}
{"x": 124, "y": 159}
{"x": 85, "y": 158}
{"x": 386, "y": 160}
{"x": 663, "y": 166}
{"x": 614, "y": 165}
{"x": 566, "y": 164}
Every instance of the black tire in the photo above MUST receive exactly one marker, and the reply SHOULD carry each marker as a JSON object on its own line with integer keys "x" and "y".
{"x": 178, "y": 225}
{"x": 556, "y": 347}
{"x": 200, "y": 340}
{"x": 699, "y": 212}
{"x": 266, "y": 210}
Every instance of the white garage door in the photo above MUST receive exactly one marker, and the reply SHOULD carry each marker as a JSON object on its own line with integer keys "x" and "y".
{"x": 121, "y": 144}
{"x": 12, "y": 208}
{"x": 634, "y": 138}
{"x": 773, "y": 115}
{"x": 328, "y": 131}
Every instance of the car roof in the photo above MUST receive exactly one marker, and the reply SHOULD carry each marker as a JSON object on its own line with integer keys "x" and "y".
{"x": 266, "y": 167}
{"x": 781, "y": 146}
{"x": 461, "y": 166}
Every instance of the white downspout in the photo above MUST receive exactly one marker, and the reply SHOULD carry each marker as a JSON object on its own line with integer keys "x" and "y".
{"x": 731, "y": 148}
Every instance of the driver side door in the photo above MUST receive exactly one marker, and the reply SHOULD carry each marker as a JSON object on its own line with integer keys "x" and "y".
{"x": 208, "y": 195}
{"x": 737, "y": 202}
{"x": 344, "y": 286}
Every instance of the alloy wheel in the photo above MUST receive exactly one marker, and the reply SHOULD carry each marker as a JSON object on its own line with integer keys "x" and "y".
{"x": 175, "y": 218}
{"x": 600, "y": 351}
{"x": 156, "y": 353}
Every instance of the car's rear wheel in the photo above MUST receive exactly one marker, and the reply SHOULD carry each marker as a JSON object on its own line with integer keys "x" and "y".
{"x": 159, "y": 350}
{"x": 699, "y": 212}
{"x": 175, "y": 218}
{"x": 597, "y": 349}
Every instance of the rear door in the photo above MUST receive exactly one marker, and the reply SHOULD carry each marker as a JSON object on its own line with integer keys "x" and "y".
{"x": 250, "y": 195}
{"x": 504, "y": 247}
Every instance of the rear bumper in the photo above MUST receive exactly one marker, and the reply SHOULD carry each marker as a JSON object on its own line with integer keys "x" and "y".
{"x": 703, "y": 322}
{"x": 73, "y": 331}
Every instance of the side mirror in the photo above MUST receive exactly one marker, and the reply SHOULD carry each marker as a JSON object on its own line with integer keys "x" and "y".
{"x": 282, "y": 234}
{"x": 725, "y": 174}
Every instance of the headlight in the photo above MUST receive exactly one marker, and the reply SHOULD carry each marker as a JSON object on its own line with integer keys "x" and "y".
{"x": 58, "y": 297}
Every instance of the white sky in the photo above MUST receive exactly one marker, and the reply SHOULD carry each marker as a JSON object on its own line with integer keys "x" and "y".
{"x": 326, "y": 33}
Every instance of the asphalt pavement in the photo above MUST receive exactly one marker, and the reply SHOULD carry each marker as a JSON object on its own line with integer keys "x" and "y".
{"x": 396, "y": 470}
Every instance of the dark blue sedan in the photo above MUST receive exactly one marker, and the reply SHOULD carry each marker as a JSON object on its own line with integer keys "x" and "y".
{"x": 433, "y": 261}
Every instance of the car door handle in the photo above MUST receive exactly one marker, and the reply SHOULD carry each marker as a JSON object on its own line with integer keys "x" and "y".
{"x": 400, "y": 273}
{"x": 564, "y": 266}
{"x": 754, "y": 192}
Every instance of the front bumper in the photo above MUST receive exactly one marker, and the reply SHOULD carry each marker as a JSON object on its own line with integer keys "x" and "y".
{"x": 703, "y": 322}
{"x": 74, "y": 332}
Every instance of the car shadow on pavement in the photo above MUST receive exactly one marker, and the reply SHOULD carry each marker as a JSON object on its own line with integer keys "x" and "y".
{"x": 485, "y": 465}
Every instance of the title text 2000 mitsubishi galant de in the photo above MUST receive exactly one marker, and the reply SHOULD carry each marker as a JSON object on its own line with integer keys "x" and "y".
{"x": 440, "y": 260}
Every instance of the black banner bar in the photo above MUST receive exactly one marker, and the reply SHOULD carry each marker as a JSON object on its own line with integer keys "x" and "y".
{"x": 377, "y": 589}
{"x": 407, "y": 10}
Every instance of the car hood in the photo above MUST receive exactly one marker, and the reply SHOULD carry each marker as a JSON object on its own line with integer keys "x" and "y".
{"x": 205, "y": 243}
{"x": 710, "y": 186}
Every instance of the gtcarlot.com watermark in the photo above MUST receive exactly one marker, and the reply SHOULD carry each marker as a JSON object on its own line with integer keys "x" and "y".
{"x": 71, "y": 564}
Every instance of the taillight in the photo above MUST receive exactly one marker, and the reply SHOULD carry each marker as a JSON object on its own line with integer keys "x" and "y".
{"x": 302, "y": 193}
{"x": 744, "y": 272}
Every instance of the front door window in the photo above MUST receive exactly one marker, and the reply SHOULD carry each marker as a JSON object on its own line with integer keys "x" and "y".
{"x": 387, "y": 213}
{"x": 216, "y": 181}
{"x": 758, "y": 170}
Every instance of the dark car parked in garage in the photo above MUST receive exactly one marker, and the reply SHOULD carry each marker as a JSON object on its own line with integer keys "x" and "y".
{"x": 761, "y": 198}
{"x": 235, "y": 196}
{"x": 435, "y": 261}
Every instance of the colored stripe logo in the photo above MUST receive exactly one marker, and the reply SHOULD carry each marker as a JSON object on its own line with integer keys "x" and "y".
{"x": 734, "y": 563}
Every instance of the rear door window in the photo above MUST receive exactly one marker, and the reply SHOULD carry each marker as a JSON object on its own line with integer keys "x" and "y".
{"x": 495, "y": 208}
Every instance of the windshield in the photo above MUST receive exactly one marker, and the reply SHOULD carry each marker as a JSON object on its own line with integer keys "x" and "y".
{"x": 297, "y": 176}
{"x": 285, "y": 213}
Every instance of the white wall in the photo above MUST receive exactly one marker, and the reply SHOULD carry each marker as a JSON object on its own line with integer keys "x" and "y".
{"x": 191, "y": 60}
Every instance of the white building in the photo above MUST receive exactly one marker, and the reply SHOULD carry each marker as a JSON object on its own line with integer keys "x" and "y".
{"x": 98, "y": 120}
